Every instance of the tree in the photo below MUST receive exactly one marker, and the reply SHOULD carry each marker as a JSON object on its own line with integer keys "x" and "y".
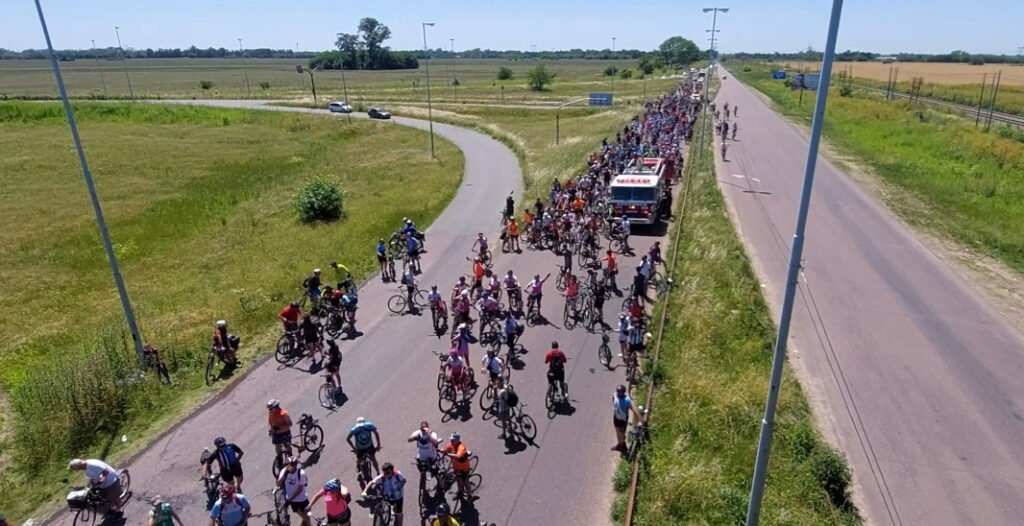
{"x": 610, "y": 71}
{"x": 646, "y": 65}
{"x": 679, "y": 51}
{"x": 539, "y": 77}
{"x": 505, "y": 73}
{"x": 374, "y": 34}
{"x": 626, "y": 74}
{"x": 350, "y": 48}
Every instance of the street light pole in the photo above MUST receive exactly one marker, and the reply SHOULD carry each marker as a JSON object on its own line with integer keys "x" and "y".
{"x": 124, "y": 61}
{"x": 613, "y": 75}
{"x": 707, "y": 77}
{"x": 764, "y": 443}
{"x": 108, "y": 246}
{"x": 245, "y": 68}
{"x": 344, "y": 85}
{"x": 451, "y": 73}
{"x": 426, "y": 62}
{"x": 100, "y": 65}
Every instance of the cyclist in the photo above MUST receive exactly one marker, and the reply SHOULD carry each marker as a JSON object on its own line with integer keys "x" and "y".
{"x": 611, "y": 268}
{"x": 344, "y": 275}
{"x": 160, "y": 515}
{"x": 223, "y": 344}
{"x": 735, "y": 128}
{"x": 639, "y": 288}
{"x": 461, "y": 341}
{"x": 493, "y": 284}
{"x": 459, "y": 453}
{"x": 624, "y": 230}
{"x": 654, "y": 254}
{"x": 647, "y": 269}
{"x": 511, "y": 329}
{"x": 409, "y": 228}
{"x": 409, "y": 280}
{"x": 289, "y": 316}
{"x": 336, "y": 502}
{"x": 229, "y": 460}
{"x": 437, "y": 303}
{"x": 312, "y": 335}
{"x": 512, "y": 289}
{"x": 488, "y": 307}
{"x": 350, "y": 302}
{"x": 513, "y": 235}
{"x": 444, "y": 517}
{"x": 478, "y": 274}
{"x": 572, "y": 291}
{"x": 535, "y": 291}
{"x": 623, "y": 330}
{"x": 413, "y": 247}
{"x": 510, "y": 205}
{"x": 492, "y": 365}
{"x": 461, "y": 306}
{"x": 391, "y": 484}
{"x": 598, "y": 293}
{"x": 361, "y": 439}
{"x": 293, "y": 481}
{"x": 334, "y": 365}
{"x": 505, "y": 398}
{"x": 555, "y": 359}
{"x": 231, "y": 509}
{"x": 280, "y": 423}
{"x": 480, "y": 246}
{"x": 426, "y": 447}
{"x": 312, "y": 286}
{"x": 103, "y": 477}
{"x": 456, "y": 368}
{"x": 459, "y": 287}
{"x": 621, "y": 408}
{"x": 382, "y": 259}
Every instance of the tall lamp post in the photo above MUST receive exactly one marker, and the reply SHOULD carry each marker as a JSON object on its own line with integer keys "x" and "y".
{"x": 245, "y": 68}
{"x": 124, "y": 61}
{"x": 764, "y": 442}
{"x": 613, "y": 75}
{"x": 426, "y": 61}
{"x": 711, "y": 60}
{"x": 100, "y": 65}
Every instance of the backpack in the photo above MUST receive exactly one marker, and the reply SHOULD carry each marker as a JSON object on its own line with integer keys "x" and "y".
{"x": 558, "y": 364}
{"x": 513, "y": 399}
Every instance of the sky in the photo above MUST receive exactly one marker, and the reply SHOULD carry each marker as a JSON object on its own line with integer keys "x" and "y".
{"x": 924, "y": 26}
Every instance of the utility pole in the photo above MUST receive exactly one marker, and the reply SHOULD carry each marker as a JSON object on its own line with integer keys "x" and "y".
{"x": 764, "y": 443}
{"x": 124, "y": 62}
{"x": 981, "y": 99}
{"x": 455, "y": 86}
{"x": 426, "y": 62}
{"x": 992, "y": 105}
{"x": 108, "y": 246}
{"x": 613, "y": 75}
{"x": 711, "y": 61}
{"x": 100, "y": 66}
{"x": 245, "y": 68}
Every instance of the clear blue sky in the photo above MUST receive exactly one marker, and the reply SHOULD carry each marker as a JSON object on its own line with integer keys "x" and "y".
{"x": 929, "y": 26}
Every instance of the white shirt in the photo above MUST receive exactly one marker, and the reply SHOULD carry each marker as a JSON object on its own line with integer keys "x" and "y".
{"x": 426, "y": 445}
{"x": 95, "y": 468}
{"x": 535, "y": 286}
{"x": 492, "y": 364}
{"x": 293, "y": 482}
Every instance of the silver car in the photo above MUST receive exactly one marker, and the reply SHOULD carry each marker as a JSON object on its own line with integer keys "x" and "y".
{"x": 340, "y": 107}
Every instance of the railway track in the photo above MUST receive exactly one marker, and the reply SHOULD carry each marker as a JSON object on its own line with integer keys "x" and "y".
{"x": 972, "y": 111}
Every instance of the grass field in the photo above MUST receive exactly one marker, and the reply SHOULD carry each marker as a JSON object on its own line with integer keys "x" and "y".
{"x": 961, "y": 83}
{"x": 711, "y": 386}
{"x": 199, "y": 206}
{"x": 180, "y": 78}
{"x": 944, "y": 175}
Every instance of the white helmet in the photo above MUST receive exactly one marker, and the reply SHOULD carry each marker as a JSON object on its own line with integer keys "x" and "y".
{"x": 221, "y": 324}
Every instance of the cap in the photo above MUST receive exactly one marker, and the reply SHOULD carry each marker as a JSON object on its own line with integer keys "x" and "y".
{"x": 360, "y": 420}
{"x": 222, "y": 323}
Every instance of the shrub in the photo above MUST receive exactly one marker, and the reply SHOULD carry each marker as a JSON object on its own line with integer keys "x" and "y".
{"x": 539, "y": 77}
{"x": 505, "y": 73}
{"x": 626, "y": 74}
{"x": 206, "y": 84}
{"x": 455, "y": 82}
{"x": 830, "y": 470}
{"x": 319, "y": 199}
{"x": 746, "y": 69}
{"x": 264, "y": 85}
{"x": 845, "y": 90}
{"x": 610, "y": 71}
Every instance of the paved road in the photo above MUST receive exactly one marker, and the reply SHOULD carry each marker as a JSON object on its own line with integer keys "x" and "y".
{"x": 915, "y": 374}
{"x": 389, "y": 375}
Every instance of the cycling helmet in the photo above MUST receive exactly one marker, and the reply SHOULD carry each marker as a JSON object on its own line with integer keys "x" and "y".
{"x": 509, "y": 272}
{"x": 456, "y": 436}
{"x": 622, "y": 315}
{"x": 293, "y": 460}
{"x": 490, "y": 352}
{"x": 554, "y": 345}
{"x": 621, "y": 389}
{"x": 316, "y": 271}
{"x": 387, "y": 467}
{"x": 294, "y": 304}
{"x": 465, "y": 294}
{"x": 219, "y": 442}
{"x": 221, "y": 323}
{"x": 453, "y": 352}
{"x": 360, "y": 421}
{"x": 442, "y": 510}
{"x": 274, "y": 404}
{"x": 381, "y": 240}
{"x": 433, "y": 287}
{"x": 332, "y": 485}
{"x": 227, "y": 491}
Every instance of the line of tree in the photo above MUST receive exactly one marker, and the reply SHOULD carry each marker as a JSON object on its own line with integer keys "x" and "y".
{"x": 365, "y": 49}
{"x": 958, "y": 56}
{"x": 113, "y": 53}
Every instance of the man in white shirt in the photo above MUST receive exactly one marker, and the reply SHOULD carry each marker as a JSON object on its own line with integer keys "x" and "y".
{"x": 293, "y": 481}
{"x": 101, "y": 475}
{"x": 426, "y": 447}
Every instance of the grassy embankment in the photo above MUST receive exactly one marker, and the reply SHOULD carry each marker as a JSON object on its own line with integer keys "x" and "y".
{"x": 199, "y": 206}
{"x": 180, "y": 78}
{"x": 943, "y": 175}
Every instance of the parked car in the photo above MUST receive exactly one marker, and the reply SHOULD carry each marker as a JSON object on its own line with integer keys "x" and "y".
{"x": 378, "y": 113}
{"x": 340, "y": 107}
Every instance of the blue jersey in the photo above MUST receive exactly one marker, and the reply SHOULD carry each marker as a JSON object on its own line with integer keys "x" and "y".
{"x": 621, "y": 407}
{"x": 362, "y": 435}
{"x": 381, "y": 248}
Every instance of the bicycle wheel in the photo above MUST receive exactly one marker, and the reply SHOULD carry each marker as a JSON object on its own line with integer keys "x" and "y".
{"x": 210, "y": 377}
{"x": 278, "y": 465}
{"x": 420, "y": 299}
{"x": 527, "y": 427}
{"x": 396, "y": 304}
{"x": 283, "y": 352}
{"x": 126, "y": 482}
{"x": 560, "y": 282}
{"x": 627, "y": 303}
{"x": 313, "y": 438}
{"x": 326, "y": 395}
{"x": 604, "y": 355}
{"x": 506, "y": 372}
{"x": 281, "y": 508}
{"x": 473, "y": 483}
{"x": 549, "y": 398}
{"x": 446, "y": 399}
{"x": 486, "y": 399}
{"x": 473, "y": 461}
{"x": 440, "y": 380}
{"x": 86, "y": 515}
{"x": 568, "y": 318}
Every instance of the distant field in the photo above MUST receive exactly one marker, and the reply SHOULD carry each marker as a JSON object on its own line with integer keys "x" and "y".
{"x": 180, "y": 78}
{"x": 960, "y": 83}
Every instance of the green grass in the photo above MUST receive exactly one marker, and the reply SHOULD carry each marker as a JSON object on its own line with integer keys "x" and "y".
{"x": 199, "y": 206}
{"x": 711, "y": 385}
{"x": 1009, "y": 98}
{"x": 950, "y": 177}
{"x": 180, "y": 78}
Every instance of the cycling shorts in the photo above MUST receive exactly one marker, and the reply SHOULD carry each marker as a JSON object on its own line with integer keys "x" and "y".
{"x": 231, "y": 472}
{"x": 281, "y": 438}
{"x": 381, "y": 258}
{"x": 556, "y": 375}
{"x": 344, "y": 518}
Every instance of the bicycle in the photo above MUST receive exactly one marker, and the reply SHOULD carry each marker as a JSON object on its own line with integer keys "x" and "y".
{"x": 448, "y": 393}
{"x": 381, "y": 509}
{"x": 310, "y": 439}
{"x": 289, "y": 347}
{"x": 632, "y": 367}
{"x": 328, "y": 393}
{"x": 151, "y": 360}
{"x": 364, "y": 467}
{"x": 533, "y": 316}
{"x": 521, "y": 423}
{"x": 638, "y": 435}
{"x": 515, "y": 300}
{"x": 398, "y": 303}
{"x": 604, "y": 352}
{"x": 569, "y": 313}
{"x": 89, "y": 503}
{"x": 560, "y": 279}
{"x": 212, "y": 357}
{"x": 439, "y": 315}
{"x": 488, "y": 396}
{"x": 556, "y": 395}
{"x": 280, "y": 512}
{"x": 211, "y": 481}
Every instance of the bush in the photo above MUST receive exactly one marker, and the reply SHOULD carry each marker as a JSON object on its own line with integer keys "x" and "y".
{"x": 455, "y": 82}
{"x": 845, "y": 90}
{"x": 319, "y": 199}
{"x": 833, "y": 476}
{"x": 610, "y": 71}
{"x": 264, "y": 85}
{"x": 206, "y": 84}
{"x": 626, "y": 74}
{"x": 746, "y": 69}
{"x": 505, "y": 73}
{"x": 539, "y": 77}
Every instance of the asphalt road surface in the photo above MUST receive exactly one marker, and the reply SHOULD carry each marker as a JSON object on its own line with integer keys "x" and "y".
{"x": 389, "y": 376}
{"x": 910, "y": 370}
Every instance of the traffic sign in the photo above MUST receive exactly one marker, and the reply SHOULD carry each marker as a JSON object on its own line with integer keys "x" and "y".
{"x": 779, "y": 75}
{"x": 600, "y": 99}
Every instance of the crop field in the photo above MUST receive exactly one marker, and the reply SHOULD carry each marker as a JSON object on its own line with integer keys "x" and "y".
{"x": 199, "y": 203}
{"x": 277, "y": 78}
{"x": 960, "y": 83}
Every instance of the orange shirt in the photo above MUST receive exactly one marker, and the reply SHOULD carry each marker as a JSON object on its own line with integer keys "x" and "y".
{"x": 278, "y": 420}
{"x": 460, "y": 458}
{"x": 527, "y": 217}
{"x": 478, "y": 270}
{"x": 513, "y": 228}
{"x": 612, "y": 264}
{"x": 290, "y": 314}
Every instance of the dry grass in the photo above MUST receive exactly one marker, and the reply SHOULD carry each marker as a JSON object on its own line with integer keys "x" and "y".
{"x": 933, "y": 72}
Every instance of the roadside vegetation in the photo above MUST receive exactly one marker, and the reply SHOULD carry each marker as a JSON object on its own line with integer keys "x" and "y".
{"x": 711, "y": 384}
{"x": 945, "y": 175}
{"x": 201, "y": 204}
